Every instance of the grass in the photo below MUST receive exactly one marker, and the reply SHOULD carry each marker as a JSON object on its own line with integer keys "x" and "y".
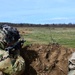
{"x": 45, "y": 35}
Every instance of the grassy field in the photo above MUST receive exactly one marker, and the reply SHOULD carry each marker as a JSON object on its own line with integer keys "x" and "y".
{"x": 45, "y": 35}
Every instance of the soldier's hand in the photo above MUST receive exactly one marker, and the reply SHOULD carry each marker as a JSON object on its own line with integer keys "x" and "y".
{"x": 8, "y": 48}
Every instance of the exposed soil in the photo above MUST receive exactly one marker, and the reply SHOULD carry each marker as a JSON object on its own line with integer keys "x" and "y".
{"x": 49, "y": 59}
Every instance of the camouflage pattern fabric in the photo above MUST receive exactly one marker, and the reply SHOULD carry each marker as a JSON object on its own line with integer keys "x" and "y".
{"x": 1, "y": 73}
{"x": 2, "y": 35}
{"x": 71, "y": 64}
{"x": 11, "y": 66}
{"x": 2, "y": 44}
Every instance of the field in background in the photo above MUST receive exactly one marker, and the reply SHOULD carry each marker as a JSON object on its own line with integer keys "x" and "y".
{"x": 45, "y": 35}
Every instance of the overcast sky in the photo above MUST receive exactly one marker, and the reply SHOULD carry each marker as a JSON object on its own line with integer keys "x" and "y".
{"x": 37, "y": 11}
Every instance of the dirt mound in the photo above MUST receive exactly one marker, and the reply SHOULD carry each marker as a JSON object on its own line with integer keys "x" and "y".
{"x": 49, "y": 59}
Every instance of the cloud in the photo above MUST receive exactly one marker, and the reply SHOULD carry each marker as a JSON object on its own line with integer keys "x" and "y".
{"x": 56, "y": 18}
{"x": 60, "y": 1}
{"x": 59, "y": 18}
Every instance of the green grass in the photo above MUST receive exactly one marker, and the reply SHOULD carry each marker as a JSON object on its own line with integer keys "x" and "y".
{"x": 46, "y": 35}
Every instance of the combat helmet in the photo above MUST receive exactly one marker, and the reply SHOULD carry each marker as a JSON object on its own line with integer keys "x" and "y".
{"x": 10, "y": 34}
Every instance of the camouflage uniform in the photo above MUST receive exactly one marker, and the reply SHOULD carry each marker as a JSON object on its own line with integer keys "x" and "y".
{"x": 9, "y": 65}
{"x": 71, "y": 64}
{"x": 2, "y": 43}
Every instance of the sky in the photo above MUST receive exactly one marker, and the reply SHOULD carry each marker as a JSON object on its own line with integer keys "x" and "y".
{"x": 37, "y": 11}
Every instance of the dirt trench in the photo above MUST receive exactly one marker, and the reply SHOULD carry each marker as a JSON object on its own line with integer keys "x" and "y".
{"x": 49, "y": 59}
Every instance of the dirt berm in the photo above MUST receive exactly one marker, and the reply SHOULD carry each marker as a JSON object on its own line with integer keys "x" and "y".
{"x": 49, "y": 59}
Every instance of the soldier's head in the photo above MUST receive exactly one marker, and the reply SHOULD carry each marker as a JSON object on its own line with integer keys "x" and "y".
{"x": 9, "y": 34}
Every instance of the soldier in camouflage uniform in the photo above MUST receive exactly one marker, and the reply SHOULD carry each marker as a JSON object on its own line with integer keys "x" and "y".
{"x": 11, "y": 63}
{"x": 71, "y": 64}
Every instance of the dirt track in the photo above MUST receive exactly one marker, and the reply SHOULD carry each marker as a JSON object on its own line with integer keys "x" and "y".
{"x": 49, "y": 59}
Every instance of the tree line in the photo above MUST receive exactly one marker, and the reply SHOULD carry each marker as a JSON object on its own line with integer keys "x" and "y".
{"x": 38, "y": 25}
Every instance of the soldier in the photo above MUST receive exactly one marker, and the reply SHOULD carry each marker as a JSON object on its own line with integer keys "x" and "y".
{"x": 11, "y": 63}
{"x": 71, "y": 64}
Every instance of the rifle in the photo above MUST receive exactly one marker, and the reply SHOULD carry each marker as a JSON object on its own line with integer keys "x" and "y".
{"x": 16, "y": 46}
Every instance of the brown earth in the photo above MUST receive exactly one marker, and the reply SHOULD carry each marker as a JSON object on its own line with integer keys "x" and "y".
{"x": 49, "y": 59}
